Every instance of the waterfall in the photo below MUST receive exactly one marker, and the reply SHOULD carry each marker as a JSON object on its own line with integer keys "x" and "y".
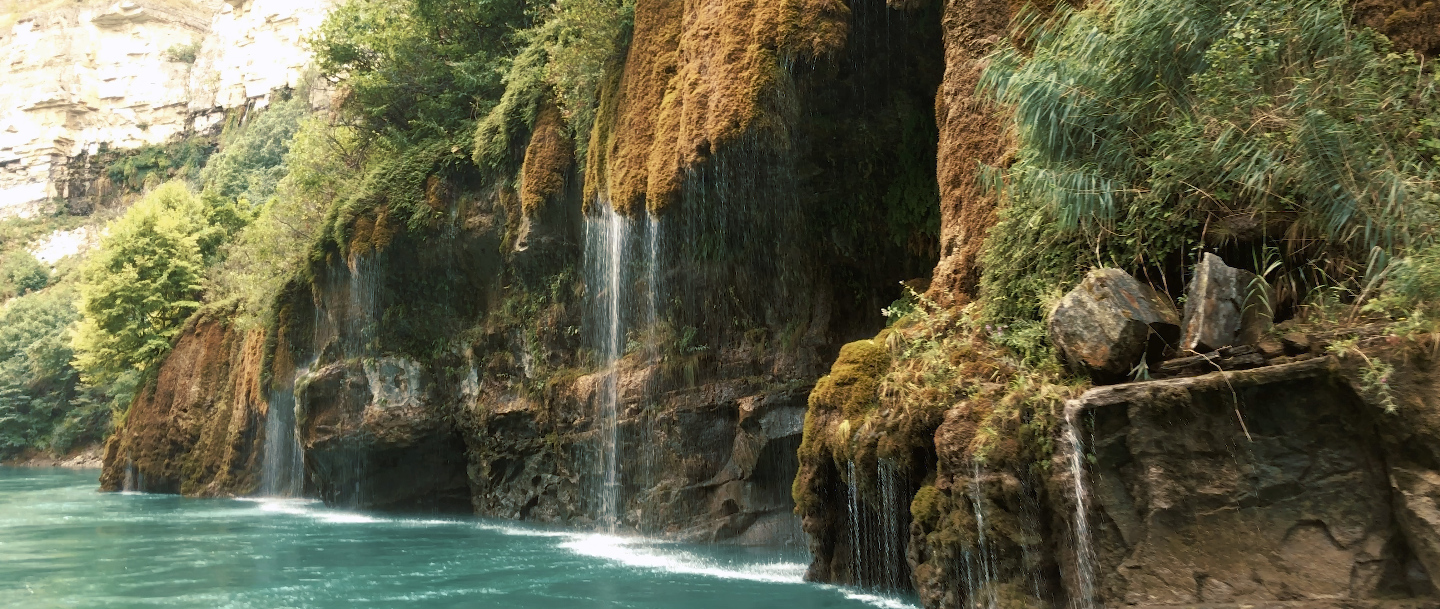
{"x": 605, "y": 242}
{"x": 878, "y": 537}
{"x": 128, "y": 485}
{"x": 652, "y": 248}
{"x": 282, "y": 472}
{"x": 980, "y": 569}
{"x": 1084, "y": 552}
{"x": 894, "y": 531}
{"x": 857, "y": 526}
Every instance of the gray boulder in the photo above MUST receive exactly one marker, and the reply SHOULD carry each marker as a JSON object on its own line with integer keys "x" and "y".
{"x": 1225, "y": 306}
{"x": 1106, "y": 325}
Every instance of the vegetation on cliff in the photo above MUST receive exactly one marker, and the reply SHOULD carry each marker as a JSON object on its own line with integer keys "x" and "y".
{"x": 1148, "y": 130}
{"x": 1279, "y": 134}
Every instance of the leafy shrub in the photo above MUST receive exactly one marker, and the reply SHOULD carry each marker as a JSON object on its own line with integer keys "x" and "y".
{"x": 323, "y": 167}
{"x": 150, "y": 165}
{"x": 249, "y": 166}
{"x": 183, "y": 53}
{"x": 39, "y": 390}
{"x": 20, "y": 274}
{"x": 415, "y": 70}
{"x": 565, "y": 55}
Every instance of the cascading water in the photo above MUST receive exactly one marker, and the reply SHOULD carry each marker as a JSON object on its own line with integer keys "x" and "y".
{"x": 282, "y": 471}
{"x": 1084, "y": 551}
{"x": 878, "y": 536}
{"x": 652, "y": 255}
{"x": 605, "y": 240}
{"x": 979, "y": 561}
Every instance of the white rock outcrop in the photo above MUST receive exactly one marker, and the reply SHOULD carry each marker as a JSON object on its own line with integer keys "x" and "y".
{"x": 75, "y": 76}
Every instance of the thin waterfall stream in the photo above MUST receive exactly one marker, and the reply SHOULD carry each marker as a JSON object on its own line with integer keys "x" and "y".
{"x": 1084, "y": 552}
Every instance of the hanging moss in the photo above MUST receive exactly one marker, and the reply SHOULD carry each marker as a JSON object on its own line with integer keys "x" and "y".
{"x": 548, "y": 160}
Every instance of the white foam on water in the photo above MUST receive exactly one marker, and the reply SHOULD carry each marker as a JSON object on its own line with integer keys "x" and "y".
{"x": 518, "y": 531}
{"x": 634, "y": 552}
{"x": 876, "y": 600}
{"x": 645, "y": 555}
{"x": 346, "y": 518}
{"x": 310, "y": 509}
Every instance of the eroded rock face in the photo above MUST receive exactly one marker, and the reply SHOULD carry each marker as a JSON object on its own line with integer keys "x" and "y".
{"x": 1277, "y": 484}
{"x": 1191, "y": 507}
{"x": 1109, "y": 323}
{"x": 1224, "y": 306}
{"x": 712, "y": 463}
{"x": 198, "y": 428}
{"x": 373, "y": 438}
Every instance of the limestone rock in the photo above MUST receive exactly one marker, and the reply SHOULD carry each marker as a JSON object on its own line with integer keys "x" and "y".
{"x": 1225, "y": 306}
{"x": 88, "y": 74}
{"x": 1106, "y": 325}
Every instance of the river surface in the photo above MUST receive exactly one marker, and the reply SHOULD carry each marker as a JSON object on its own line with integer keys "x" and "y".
{"x": 63, "y": 544}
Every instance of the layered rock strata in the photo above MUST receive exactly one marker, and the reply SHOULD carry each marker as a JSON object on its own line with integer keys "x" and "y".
{"x": 82, "y": 77}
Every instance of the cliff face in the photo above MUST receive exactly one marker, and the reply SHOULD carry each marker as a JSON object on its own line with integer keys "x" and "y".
{"x": 80, "y": 77}
{"x": 454, "y": 364}
{"x": 750, "y": 200}
{"x": 198, "y": 427}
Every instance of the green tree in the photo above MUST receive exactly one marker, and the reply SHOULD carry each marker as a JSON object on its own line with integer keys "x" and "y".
{"x": 415, "y": 70}
{"x": 144, "y": 281}
{"x": 39, "y": 389}
{"x": 250, "y": 165}
{"x": 21, "y": 273}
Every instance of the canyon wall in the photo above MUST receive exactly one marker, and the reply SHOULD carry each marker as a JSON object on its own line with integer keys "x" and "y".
{"x": 82, "y": 77}
{"x": 760, "y": 179}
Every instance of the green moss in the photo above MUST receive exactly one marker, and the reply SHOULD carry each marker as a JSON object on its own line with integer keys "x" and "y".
{"x": 150, "y": 165}
{"x": 853, "y": 384}
{"x": 927, "y": 506}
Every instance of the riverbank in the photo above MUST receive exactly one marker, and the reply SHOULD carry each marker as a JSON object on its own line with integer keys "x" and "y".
{"x": 89, "y": 457}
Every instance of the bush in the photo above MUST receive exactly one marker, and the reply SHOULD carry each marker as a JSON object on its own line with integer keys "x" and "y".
{"x": 20, "y": 274}
{"x": 39, "y": 390}
{"x": 249, "y": 166}
{"x": 415, "y": 70}
{"x": 566, "y": 55}
{"x": 183, "y": 53}
{"x": 323, "y": 167}
{"x": 142, "y": 284}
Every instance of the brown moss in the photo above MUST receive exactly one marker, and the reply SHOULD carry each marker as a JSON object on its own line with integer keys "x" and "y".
{"x": 972, "y": 131}
{"x": 626, "y": 123}
{"x": 548, "y": 159}
{"x": 437, "y": 194}
{"x": 384, "y": 231}
{"x": 1413, "y": 25}
{"x": 195, "y": 428}
{"x": 360, "y": 236}
{"x": 701, "y": 75}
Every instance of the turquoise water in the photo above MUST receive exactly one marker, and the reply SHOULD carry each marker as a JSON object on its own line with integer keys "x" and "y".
{"x": 62, "y": 544}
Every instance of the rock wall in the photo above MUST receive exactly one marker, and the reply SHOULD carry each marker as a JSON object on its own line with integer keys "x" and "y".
{"x": 197, "y": 425}
{"x": 1303, "y": 481}
{"x": 972, "y": 131}
{"x": 82, "y": 77}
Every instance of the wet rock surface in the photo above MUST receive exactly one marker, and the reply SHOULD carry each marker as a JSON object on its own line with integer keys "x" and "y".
{"x": 1191, "y": 506}
{"x": 197, "y": 428}
{"x": 372, "y": 438}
